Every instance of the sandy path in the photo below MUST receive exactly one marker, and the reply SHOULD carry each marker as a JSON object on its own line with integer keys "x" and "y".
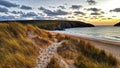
{"x": 47, "y": 54}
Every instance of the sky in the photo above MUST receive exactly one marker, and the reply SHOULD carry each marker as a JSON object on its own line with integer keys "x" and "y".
{"x": 97, "y": 12}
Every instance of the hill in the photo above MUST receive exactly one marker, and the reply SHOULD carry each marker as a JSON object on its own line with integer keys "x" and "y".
{"x": 27, "y": 46}
{"x": 118, "y": 24}
{"x": 54, "y": 24}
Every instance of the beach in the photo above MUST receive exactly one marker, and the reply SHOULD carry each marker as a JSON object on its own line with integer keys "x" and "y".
{"x": 109, "y": 47}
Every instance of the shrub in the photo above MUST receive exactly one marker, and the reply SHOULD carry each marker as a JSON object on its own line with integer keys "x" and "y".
{"x": 53, "y": 64}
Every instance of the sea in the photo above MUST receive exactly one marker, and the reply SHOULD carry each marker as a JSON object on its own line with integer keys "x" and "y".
{"x": 109, "y": 33}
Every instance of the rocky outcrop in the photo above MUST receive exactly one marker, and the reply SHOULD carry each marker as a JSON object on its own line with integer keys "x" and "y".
{"x": 118, "y": 24}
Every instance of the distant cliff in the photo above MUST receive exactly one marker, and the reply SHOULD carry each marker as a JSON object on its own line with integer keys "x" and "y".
{"x": 118, "y": 24}
{"x": 55, "y": 24}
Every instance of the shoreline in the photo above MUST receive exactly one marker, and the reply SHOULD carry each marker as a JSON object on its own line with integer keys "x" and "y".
{"x": 90, "y": 39}
{"x": 110, "y": 47}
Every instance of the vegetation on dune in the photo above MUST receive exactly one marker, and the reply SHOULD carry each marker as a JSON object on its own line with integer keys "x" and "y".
{"x": 53, "y": 63}
{"x": 85, "y": 55}
{"x": 16, "y": 51}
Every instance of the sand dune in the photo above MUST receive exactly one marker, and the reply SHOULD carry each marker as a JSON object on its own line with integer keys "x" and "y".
{"x": 109, "y": 46}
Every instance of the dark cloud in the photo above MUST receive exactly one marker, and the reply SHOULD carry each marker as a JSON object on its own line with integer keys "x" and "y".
{"x": 79, "y": 12}
{"x": 71, "y": 17}
{"x": 91, "y": 2}
{"x": 42, "y": 8}
{"x": 25, "y": 7}
{"x": 7, "y": 3}
{"x": 62, "y": 7}
{"x": 103, "y": 18}
{"x": 109, "y": 18}
{"x": 51, "y": 7}
{"x": 40, "y": 18}
{"x": 93, "y": 9}
{"x": 95, "y": 17}
{"x": 114, "y": 16}
{"x": 7, "y": 17}
{"x": 30, "y": 14}
{"x": 95, "y": 13}
{"x": 115, "y": 10}
{"x": 85, "y": 17}
{"x": 76, "y": 6}
{"x": 102, "y": 12}
{"x": 3, "y": 10}
{"x": 17, "y": 12}
{"x": 53, "y": 13}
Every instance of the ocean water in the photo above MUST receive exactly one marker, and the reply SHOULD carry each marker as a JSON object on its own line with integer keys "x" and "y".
{"x": 106, "y": 33}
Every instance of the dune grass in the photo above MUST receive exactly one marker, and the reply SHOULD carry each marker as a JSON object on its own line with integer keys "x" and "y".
{"x": 85, "y": 55}
{"x": 16, "y": 50}
{"x": 53, "y": 63}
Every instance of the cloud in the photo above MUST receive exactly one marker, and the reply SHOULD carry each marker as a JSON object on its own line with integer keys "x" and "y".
{"x": 114, "y": 16}
{"x": 86, "y": 17}
{"x": 60, "y": 18}
{"x": 93, "y": 9}
{"x": 39, "y": 18}
{"x": 71, "y": 17}
{"x": 17, "y": 12}
{"x": 62, "y": 7}
{"x": 95, "y": 13}
{"x": 79, "y": 12}
{"x": 76, "y": 6}
{"x": 102, "y": 12}
{"x": 103, "y": 18}
{"x": 91, "y": 2}
{"x": 115, "y": 10}
{"x": 29, "y": 14}
{"x": 53, "y": 13}
{"x": 7, "y": 17}
{"x": 7, "y": 3}
{"x": 109, "y": 18}
{"x": 3, "y": 10}
{"x": 25, "y": 7}
{"x": 51, "y": 7}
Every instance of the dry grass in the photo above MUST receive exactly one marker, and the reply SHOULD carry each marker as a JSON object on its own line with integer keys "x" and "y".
{"x": 85, "y": 55}
{"x": 53, "y": 63}
{"x": 16, "y": 50}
